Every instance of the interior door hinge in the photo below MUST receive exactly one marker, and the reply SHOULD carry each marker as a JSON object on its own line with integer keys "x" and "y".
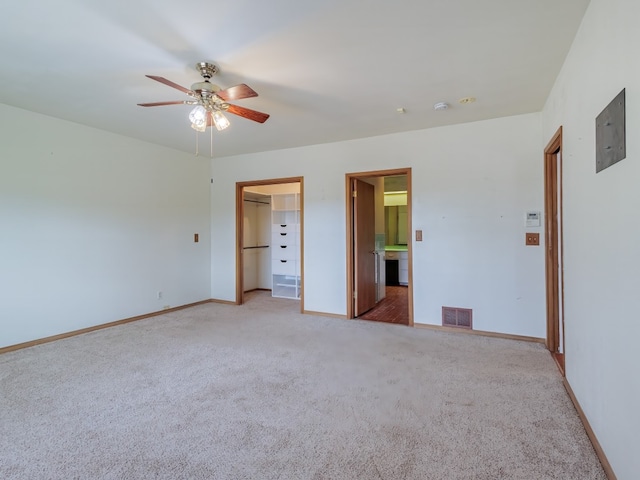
{"x": 355, "y": 294}
{"x": 355, "y": 193}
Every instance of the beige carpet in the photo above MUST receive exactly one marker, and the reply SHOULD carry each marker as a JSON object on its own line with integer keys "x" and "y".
{"x": 262, "y": 392}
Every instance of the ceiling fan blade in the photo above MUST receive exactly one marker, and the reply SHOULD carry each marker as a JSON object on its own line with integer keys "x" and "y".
{"x": 170, "y": 83}
{"x": 236, "y": 93}
{"x": 248, "y": 113}
{"x": 158, "y": 104}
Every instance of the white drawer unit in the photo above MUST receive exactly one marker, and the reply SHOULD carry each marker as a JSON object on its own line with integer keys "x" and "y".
{"x": 403, "y": 268}
{"x": 285, "y": 245}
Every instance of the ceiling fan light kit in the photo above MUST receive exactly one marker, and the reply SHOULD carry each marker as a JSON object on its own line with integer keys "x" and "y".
{"x": 210, "y": 100}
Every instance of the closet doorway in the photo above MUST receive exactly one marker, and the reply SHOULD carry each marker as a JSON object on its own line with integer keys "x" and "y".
{"x": 269, "y": 235}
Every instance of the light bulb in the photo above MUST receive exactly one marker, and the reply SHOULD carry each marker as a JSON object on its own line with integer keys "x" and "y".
{"x": 199, "y": 127}
{"x": 198, "y": 117}
{"x": 221, "y": 122}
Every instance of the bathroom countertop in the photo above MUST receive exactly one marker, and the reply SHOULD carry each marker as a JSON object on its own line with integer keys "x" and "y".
{"x": 395, "y": 248}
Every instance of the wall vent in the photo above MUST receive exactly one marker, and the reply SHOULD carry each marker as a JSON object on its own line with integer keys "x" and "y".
{"x": 457, "y": 317}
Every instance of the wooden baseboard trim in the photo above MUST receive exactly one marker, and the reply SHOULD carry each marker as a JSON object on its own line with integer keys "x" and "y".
{"x": 222, "y": 302}
{"x": 74, "y": 333}
{"x": 506, "y": 336}
{"x": 324, "y": 314}
{"x": 592, "y": 436}
{"x": 559, "y": 361}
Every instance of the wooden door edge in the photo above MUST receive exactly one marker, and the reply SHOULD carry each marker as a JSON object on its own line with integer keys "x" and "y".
{"x": 350, "y": 238}
{"x": 553, "y": 147}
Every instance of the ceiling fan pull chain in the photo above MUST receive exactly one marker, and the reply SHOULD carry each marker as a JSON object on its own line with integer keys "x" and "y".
{"x": 197, "y": 150}
{"x": 211, "y": 148}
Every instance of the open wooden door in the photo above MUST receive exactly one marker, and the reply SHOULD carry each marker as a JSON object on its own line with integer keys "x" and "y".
{"x": 554, "y": 253}
{"x": 364, "y": 246}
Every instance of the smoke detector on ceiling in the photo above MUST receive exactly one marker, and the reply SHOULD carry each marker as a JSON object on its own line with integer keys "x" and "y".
{"x": 441, "y": 106}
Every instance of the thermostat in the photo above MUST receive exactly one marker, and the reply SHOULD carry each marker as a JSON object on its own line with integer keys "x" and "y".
{"x": 532, "y": 219}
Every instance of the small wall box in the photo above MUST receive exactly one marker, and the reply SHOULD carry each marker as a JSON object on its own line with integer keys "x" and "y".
{"x": 532, "y": 219}
{"x": 611, "y": 141}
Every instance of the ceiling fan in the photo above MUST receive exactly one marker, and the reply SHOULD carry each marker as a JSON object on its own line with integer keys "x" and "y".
{"x": 210, "y": 101}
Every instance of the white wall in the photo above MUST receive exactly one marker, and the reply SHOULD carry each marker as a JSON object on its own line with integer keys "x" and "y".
{"x": 472, "y": 184}
{"x": 93, "y": 225}
{"x": 601, "y": 230}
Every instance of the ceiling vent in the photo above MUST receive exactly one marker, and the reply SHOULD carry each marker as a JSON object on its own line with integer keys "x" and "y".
{"x": 457, "y": 317}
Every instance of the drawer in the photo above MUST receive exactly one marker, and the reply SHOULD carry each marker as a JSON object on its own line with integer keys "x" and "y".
{"x": 284, "y": 267}
{"x": 285, "y": 238}
{"x": 391, "y": 255}
{"x": 284, "y": 252}
{"x": 287, "y": 286}
{"x": 285, "y": 228}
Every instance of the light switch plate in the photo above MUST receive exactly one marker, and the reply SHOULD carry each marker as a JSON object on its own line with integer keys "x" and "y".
{"x": 418, "y": 235}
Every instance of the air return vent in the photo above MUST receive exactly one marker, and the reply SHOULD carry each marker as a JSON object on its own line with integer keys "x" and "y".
{"x": 457, "y": 317}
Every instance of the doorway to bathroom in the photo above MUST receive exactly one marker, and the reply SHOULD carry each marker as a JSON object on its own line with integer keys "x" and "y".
{"x": 379, "y": 266}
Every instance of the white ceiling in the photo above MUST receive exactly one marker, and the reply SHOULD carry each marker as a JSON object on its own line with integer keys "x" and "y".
{"x": 325, "y": 71}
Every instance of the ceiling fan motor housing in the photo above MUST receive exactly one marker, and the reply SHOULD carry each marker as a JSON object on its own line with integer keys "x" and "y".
{"x": 207, "y": 70}
{"x": 205, "y": 90}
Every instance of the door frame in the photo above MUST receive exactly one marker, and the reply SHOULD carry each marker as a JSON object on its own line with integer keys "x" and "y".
{"x": 554, "y": 240}
{"x": 350, "y": 237}
{"x": 240, "y": 186}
